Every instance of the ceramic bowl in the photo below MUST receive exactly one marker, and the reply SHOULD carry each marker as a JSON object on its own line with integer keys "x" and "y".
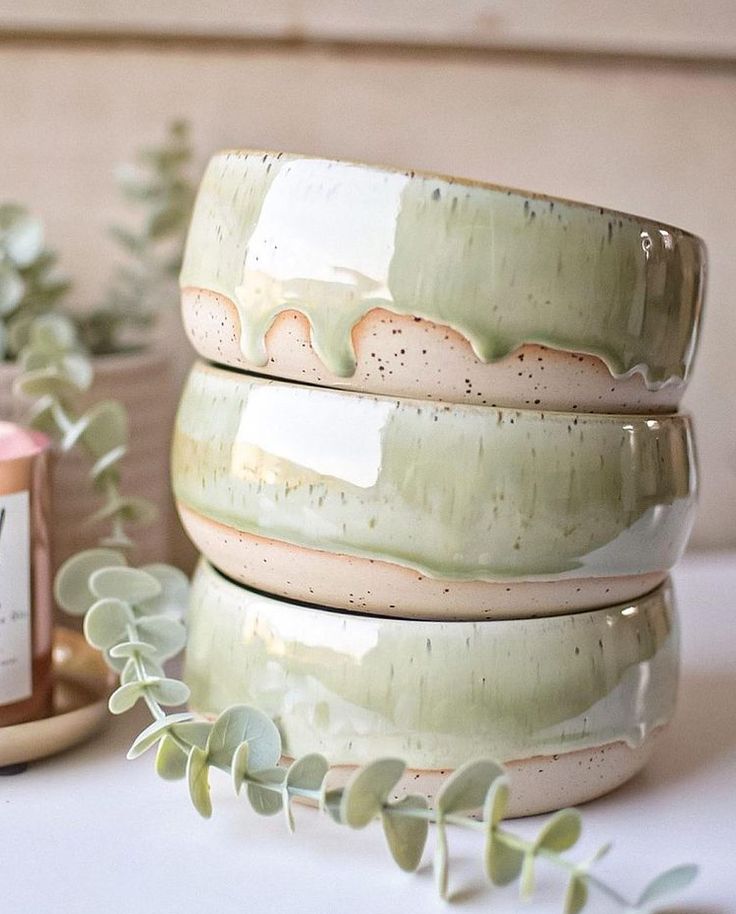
{"x": 408, "y": 508}
{"x": 397, "y": 283}
{"x": 571, "y": 703}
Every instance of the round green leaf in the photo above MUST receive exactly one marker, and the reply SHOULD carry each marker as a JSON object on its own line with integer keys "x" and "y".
{"x": 21, "y": 234}
{"x": 199, "y": 784}
{"x": 134, "y": 648}
{"x": 576, "y": 895}
{"x": 156, "y": 731}
{"x": 170, "y": 691}
{"x": 406, "y": 836}
{"x": 368, "y": 789}
{"x": 106, "y": 623}
{"x": 668, "y": 883}
{"x": 497, "y": 798}
{"x": 12, "y": 288}
{"x": 129, "y": 584}
{"x": 71, "y": 587}
{"x": 306, "y": 773}
{"x": 167, "y": 635}
{"x": 466, "y": 788}
{"x": 561, "y": 832}
{"x": 265, "y": 800}
{"x": 174, "y": 596}
{"x": 171, "y": 760}
{"x": 240, "y": 724}
{"x": 502, "y": 863}
{"x": 193, "y": 732}
{"x": 124, "y": 697}
{"x": 43, "y": 382}
{"x": 106, "y": 427}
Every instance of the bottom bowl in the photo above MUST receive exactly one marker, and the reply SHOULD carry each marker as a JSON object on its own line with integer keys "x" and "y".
{"x": 570, "y": 704}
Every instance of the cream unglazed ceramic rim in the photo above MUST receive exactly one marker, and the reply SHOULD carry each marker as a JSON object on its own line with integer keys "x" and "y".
{"x": 571, "y": 703}
{"x": 419, "y": 285}
{"x": 404, "y": 508}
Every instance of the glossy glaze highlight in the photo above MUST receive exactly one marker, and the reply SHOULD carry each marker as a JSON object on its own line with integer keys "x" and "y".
{"x": 434, "y": 693}
{"x": 335, "y": 240}
{"x": 453, "y": 492}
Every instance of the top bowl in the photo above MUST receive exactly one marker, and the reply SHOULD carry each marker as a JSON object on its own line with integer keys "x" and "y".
{"x": 417, "y": 285}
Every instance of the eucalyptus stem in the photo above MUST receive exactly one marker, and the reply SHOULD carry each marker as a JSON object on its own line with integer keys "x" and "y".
{"x": 134, "y": 616}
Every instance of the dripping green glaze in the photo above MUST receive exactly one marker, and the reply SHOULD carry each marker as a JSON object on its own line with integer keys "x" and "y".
{"x": 455, "y": 492}
{"x": 334, "y": 240}
{"x": 433, "y": 693}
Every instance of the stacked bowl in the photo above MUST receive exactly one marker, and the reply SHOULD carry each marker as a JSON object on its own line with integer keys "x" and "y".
{"x": 432, "y": 459}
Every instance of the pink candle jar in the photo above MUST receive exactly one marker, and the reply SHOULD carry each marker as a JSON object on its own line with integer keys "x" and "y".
{"x": 25, "y": 576}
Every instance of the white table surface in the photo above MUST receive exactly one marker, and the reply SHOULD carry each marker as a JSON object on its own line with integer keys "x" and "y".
{"x": 88, "y": 831}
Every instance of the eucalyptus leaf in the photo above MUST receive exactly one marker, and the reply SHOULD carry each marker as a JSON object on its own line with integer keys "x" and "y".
{"x": 368, "y": 789}
{"x": 169, "y": 691}
{"x": 199, "y": 783}
{"x": 125, "y": 696}
{"x": 265, "y": 800}
{"x": 174, "y": 596}
{"x": 129, "y": 584}
{"x": 306, "y": 773}
{"x": 171, "y": 760}
{"x": 12, "y": 288}
{"x": 21, "y": 234}
{"x": 156, "y": 731}
{"x": 667, "y": 883}
{"x": 239, "y": 767}
{"x": 406, "y": 835}
{"x": 71, "y": 586}
{"x": 106, "y": 427}
{"x": 107, "y": 622}
{"x": 128, "y": 649}
{"x": 502, "y": 862}
{"x": 496, "y": 801}
{"x": 561, "y": 832}
{"x": 193, "y": 732}
{"x": 42, "y": 382}
{"x": 527, "y": 883}
{"x": 466, "y": 788}
{"x": 167, "y": 635}
{"x": 239, "y": 724}
{"x": 576, "y": 895}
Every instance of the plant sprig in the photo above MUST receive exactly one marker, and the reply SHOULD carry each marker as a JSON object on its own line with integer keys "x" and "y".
{"x": 30, "y": 284}
{"x": 55, "y": 371}
{"x": 159, "y": 185}
{"x": 134, "y": 616}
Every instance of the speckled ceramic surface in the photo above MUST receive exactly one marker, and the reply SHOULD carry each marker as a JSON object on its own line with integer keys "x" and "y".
{"x": 409, "y": 508}
{"x": 402, "y": 283}
{"x": 590, "y": 687}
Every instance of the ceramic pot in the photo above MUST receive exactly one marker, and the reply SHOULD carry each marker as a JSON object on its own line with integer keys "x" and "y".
{"x": 406, "y": 508}
{"x": 572, "y": 704}
{"x": 397, "y": 283}
{"x": 141, "y": 382}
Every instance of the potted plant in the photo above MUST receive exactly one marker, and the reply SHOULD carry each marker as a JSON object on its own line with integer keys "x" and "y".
{"x": 129, "y": 363}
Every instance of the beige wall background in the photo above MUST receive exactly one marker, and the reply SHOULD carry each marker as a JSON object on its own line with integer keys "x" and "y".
{"x": 627, "y": 105}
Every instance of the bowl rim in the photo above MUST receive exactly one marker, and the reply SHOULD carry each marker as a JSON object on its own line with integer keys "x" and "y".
{"x": 461, "y": 181}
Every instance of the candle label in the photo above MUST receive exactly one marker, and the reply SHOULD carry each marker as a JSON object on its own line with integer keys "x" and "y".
{"x": 16, "y": 680}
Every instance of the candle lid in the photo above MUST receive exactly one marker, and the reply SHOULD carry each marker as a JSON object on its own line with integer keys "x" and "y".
{"x": 18, "y": 442}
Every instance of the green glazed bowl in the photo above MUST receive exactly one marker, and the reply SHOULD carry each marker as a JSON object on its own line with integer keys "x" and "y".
{"x": 572, "y": 703}
{"x": 407, "y": 508}
{"x": 350, "y": 275}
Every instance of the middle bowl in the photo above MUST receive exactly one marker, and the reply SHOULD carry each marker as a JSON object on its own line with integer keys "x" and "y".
{"x": 415, "y": 509}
